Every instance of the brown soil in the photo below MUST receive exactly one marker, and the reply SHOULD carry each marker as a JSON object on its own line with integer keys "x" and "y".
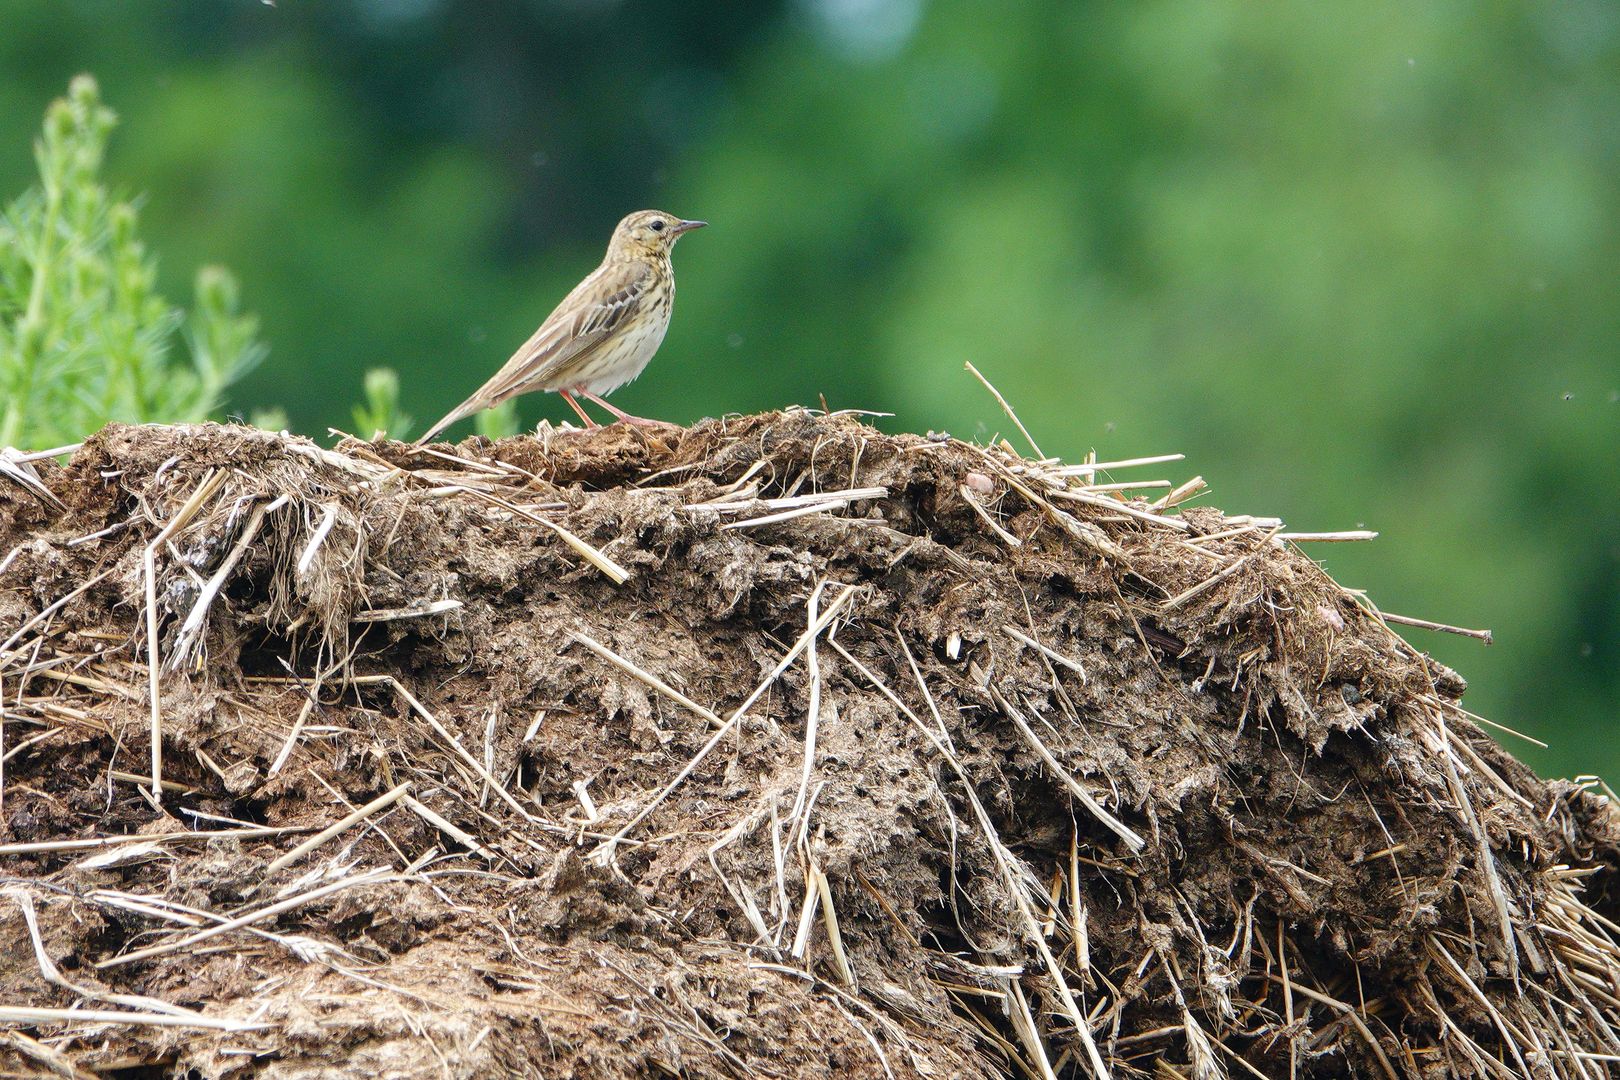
{"x": 1226, "y": 815}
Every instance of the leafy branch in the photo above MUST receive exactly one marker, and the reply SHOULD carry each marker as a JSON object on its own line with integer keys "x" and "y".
{"x": 84, "y": 336}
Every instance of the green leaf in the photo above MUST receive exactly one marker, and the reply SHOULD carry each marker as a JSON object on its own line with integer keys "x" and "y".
{"x": 498, "y": 422}
{"x": 84, "y": 336}
{"x": 380, "y": 414}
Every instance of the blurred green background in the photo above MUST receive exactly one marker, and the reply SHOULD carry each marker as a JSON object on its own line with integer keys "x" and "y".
{"x": 1360, "y": 262}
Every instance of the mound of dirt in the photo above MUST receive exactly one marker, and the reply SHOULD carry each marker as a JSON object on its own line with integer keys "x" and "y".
{"x": 773, "y": 747}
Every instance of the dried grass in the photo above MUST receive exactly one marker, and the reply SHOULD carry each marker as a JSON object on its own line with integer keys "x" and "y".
{"x": 1006, "y": 770}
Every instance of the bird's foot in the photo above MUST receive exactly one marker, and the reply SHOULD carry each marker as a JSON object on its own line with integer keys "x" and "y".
{"x": 624, "y": 417}
{"x": 583, "y": 415}
{"x": 645, "y": 422}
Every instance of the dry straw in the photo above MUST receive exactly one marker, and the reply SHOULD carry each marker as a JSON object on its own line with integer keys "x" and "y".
{"x": 966, "y": 763}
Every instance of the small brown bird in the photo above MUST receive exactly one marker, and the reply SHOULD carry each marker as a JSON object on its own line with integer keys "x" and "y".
{"x": 603, "y": 333}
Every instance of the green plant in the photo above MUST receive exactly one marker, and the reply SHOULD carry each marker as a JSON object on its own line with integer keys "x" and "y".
{"x": 273, "y": 418}
{"x": 380, "y": 414}
{"x": 498, "y": 422}
{"x": 84, "y": 336}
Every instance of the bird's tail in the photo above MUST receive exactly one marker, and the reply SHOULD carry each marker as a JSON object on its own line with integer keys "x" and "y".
{"x": 514, "y": 378}
{"x": 465, "y": 409}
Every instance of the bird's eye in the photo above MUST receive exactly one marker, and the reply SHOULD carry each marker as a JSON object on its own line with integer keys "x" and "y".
{"x": 658, "y": 225}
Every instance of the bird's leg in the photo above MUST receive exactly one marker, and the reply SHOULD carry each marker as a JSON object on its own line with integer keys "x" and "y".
{"x": 572, "y": 404}
{"x": 638, "y": 421}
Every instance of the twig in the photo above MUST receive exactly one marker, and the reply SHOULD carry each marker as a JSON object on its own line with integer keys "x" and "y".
{"x": 604, "y": 850}
{"x": 36, "y": 847}
{"x": 1023, "y": 1022}
{"x": 1224, "y": 534}
{"x": 1288, "y": 1000}
{"x": 41, "y": 455}
{"x": 1354, "y": 1017}
{"x": 582, "y": 792}
{"x": 812, "y": 719}
{"x": 381, "y": 801}
{"x": 984, "y": 515}
{"x": 1077, "y": 900}
{"x": 377, "y": 615}
{"x": 1095, "y": 467}
{"x": 1131, "y": 485}
{"x": 188, "y": 640}
{"x": 830, "y": 918}
{"x": 1485, "y": 721}
{"x": 1006, "y": 408}
{"x": 1051, "y": 654}
{"x": 460, "y": 836}
{"x": 1425, "y": 624}
{"x": 1219, "y": 576}
{"x": 292, "y": 737}
{"x": 492, "y": 720}
{"x": 1348, "y": 536}
{"x": 328, "y": 517}
{"x": 1181, "y": 494}
{"x": 1122, "y": 508}
{"x": 597, "y": 558}
{"x": 146, "y": 781}
{"x": 370, "y": 877}
{"x": 785, "y": 515}
{"x": 738, "y": 501}
{"x": 645, "y": 676}
{"x": 461, "y": 751}
{"x": 204, "y": 490}
{"x": 1132, "y": 839}
{"x": 11, "y": 1014}
{"x": 807, "y": 916}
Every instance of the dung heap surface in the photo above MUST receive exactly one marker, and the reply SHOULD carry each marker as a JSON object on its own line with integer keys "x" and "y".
{"x": 774, "y": 747}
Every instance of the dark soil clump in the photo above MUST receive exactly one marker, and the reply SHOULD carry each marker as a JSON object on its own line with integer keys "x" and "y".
{"x": 773, "y": 747}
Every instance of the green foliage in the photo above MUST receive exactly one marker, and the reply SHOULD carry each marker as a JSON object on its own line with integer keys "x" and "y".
{"x": 272, "y": 419}
{"x": 1359, "y": 268}
{"x": 84, "y": 336}
{"x": 499, "y": 422}
{"x": 380, "y": 414}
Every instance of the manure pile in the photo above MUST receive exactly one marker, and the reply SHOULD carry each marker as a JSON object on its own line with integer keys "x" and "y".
{"x": 775, "y": 747}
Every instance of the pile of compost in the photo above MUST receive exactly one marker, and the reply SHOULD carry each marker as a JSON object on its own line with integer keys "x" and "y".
{"x": 773, "y": 747}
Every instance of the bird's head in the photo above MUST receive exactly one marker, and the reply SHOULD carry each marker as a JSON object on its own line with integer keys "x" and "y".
{"x": 650, "y": 233}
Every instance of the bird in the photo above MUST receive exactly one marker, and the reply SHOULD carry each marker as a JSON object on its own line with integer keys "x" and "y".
{"x": 603, "y": 334}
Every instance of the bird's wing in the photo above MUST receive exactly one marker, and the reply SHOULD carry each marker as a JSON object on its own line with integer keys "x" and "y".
{"x": 585, "y": 319}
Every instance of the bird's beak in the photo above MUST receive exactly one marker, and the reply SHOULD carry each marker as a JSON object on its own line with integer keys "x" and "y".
{"x": 687, "y": 226}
